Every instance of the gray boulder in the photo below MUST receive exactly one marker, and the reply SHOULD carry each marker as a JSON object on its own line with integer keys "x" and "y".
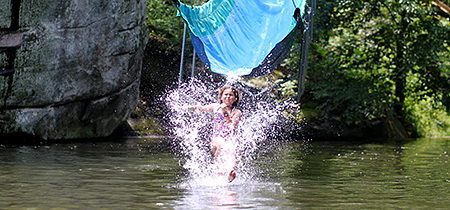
{"x": 69, "y": 68}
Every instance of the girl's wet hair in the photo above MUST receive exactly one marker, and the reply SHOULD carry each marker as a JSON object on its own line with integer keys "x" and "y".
{"x": 236, "y": 92}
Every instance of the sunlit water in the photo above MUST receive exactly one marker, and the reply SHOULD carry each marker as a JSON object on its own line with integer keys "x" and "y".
{"x": 149, "y": 174}
{"x": 274, "y": 172}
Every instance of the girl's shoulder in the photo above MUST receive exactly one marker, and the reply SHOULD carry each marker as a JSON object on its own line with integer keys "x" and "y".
{"x": 215, "y": 105}
{"x": 212, "y": 107}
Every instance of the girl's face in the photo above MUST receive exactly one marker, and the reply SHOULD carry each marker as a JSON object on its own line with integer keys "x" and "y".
{"x": 228, "y": 97}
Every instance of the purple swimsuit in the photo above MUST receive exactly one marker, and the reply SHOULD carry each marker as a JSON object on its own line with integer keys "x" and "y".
{"x": 221, "y": 128}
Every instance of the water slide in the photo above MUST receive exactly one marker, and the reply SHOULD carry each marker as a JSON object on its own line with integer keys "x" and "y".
{"x": 243, "y": 37}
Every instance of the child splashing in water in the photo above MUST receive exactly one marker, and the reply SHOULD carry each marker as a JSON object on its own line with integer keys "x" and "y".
{"x": 226, "y": 119}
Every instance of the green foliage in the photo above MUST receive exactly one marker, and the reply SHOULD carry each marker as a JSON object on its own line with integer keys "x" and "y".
{"x": 428, "y": 117}
{"x": 142, "y": 124}
{"x": 348, "y": 95}
{"x": 371, "y": 58}
{"x": 165, "y": 28}
{"x": 3, "y": 59}
{"x": 288, "y": 88}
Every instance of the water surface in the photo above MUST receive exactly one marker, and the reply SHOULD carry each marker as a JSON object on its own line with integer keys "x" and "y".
{"x": 149, "y": 174}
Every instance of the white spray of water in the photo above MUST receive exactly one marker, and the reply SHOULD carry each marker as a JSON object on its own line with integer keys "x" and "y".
{"x": 193, "y": 129}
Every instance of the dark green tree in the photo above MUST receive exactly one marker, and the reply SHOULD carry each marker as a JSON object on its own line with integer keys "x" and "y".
{"x": 373, "y": 55}
{"x": 165, "y": 28}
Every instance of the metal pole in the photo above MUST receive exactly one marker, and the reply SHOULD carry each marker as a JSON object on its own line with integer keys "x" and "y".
{"x": 302, "y": 70}
{"x": 306, "y": 39}
{"x": 182, "y": 56}
{"x": 313, "y": 10}
{"x": 193, "y": 64}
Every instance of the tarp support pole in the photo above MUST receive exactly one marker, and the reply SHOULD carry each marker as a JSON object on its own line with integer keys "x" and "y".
{"x": 303, "y": 66}
{"x": 306, "y": 39}
{"x": 193, "y": 64}
{"x": 182, "y": 56}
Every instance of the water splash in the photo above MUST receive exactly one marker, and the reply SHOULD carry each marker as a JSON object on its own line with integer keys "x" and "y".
{"x": 259, "y": 124}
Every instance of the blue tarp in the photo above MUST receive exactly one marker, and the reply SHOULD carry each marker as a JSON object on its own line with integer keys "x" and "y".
{"x": 242, "y": 37}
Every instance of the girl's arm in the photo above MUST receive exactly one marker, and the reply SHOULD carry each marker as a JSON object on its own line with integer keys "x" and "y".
{"x": 236, "y": 117}
{"x": 209, "y": 107}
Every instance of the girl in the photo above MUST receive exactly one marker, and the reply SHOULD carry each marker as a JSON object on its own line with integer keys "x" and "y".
{"x": 226, "y": 119}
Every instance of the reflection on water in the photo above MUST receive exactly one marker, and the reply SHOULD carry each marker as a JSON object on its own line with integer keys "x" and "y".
{"x": 149, "y": 174}
{"x": 217, "y": 193}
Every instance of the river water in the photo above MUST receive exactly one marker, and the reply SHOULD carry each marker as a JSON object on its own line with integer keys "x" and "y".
{"x": 294, "y": 174}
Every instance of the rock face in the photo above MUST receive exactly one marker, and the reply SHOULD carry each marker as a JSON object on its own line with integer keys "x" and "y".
{"x": 69, "y": 68}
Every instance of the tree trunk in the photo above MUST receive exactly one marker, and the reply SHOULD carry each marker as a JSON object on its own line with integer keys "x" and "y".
{"x": 400, "y": 70}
